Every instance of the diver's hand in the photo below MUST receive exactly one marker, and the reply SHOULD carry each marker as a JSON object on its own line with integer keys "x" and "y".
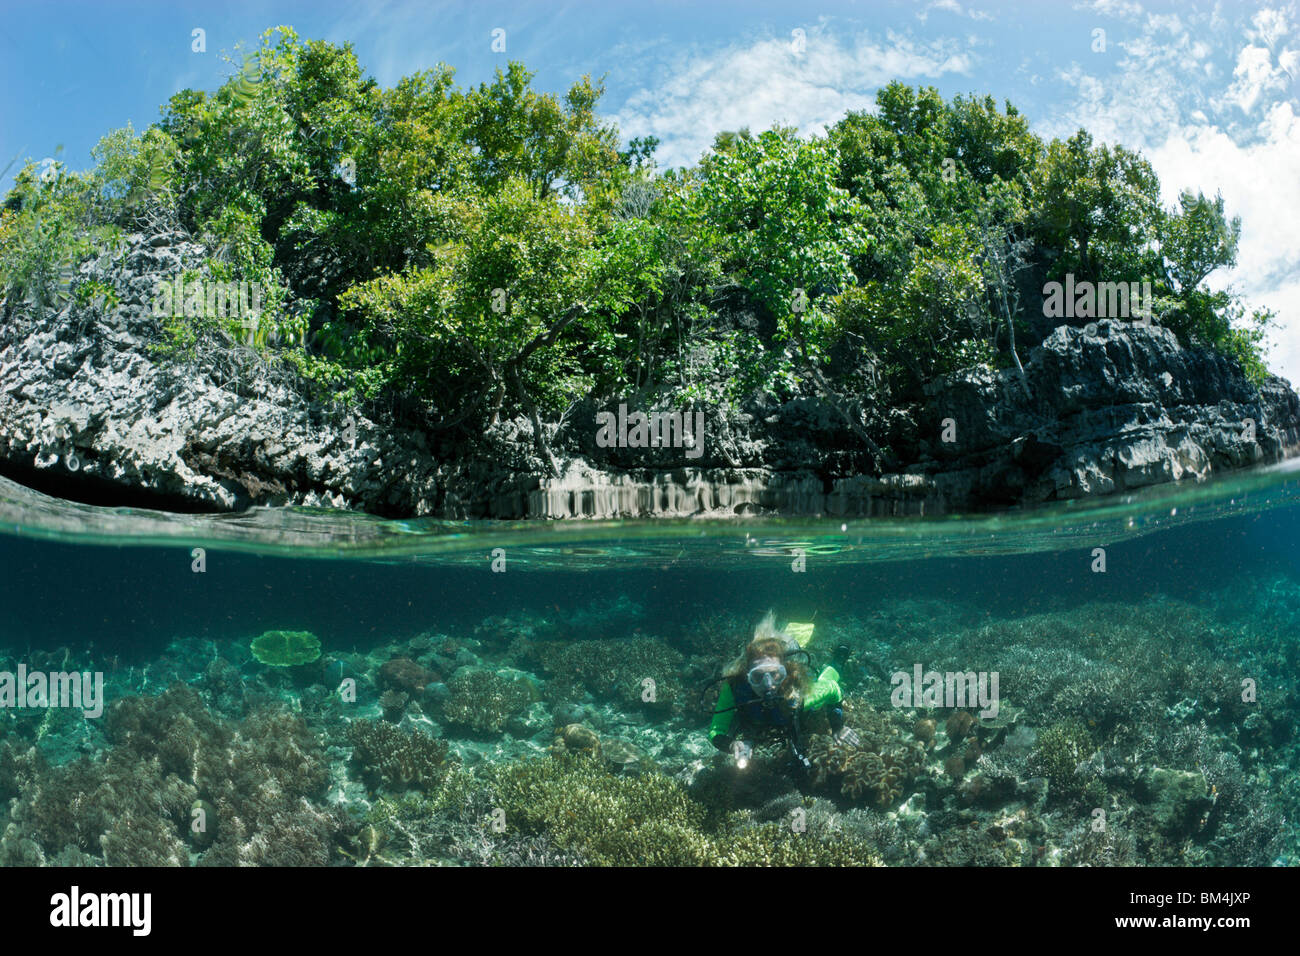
{"x": 846, "y": 735}
{"x": 742, "y": 752}
{"x": 800, "y": 760}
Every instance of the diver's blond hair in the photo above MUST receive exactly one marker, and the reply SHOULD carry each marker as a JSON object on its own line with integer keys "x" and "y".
{"x": 765, "y": 630}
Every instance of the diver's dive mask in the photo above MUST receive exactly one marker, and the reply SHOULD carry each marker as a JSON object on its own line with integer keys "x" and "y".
{"x": 766, "y": 676}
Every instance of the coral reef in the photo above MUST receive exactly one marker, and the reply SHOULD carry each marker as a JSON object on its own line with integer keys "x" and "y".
{"x": 259, "y": 777}
{"x": 253, "y": 765}
{"x": 877, "y": 768}
{"x": 483, "y": 701}
{"x": 395, "y": 759}
{"x": 286, "y": 648}
{"x": 637, "y": 672}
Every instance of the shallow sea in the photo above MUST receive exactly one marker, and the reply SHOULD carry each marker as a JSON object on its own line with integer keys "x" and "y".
{"x": 1147, "y": 649}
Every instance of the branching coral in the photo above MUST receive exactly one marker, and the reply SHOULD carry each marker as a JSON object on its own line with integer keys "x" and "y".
{"x": 133, "y": 806}
{"x": 483, "y": 701}
{"x": 611, "y": 819}
{"x": 1061, "y": 749}
{"x": 572, "y": 810}
{"x": 617, "y": 670}
{"x": 1088, "y": 845}
{"x": 396, "y": 759}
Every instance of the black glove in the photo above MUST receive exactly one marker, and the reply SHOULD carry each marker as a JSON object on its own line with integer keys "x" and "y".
{"x": 800, "y": 764}
{"x": 723, "y": 742}
{"x": 835, "y": 715}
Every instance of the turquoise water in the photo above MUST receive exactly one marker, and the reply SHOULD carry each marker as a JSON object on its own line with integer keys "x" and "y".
{"x": 488, "y": 693}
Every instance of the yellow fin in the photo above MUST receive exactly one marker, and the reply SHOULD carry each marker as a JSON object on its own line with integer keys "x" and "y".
{"x": 802, "y": 633}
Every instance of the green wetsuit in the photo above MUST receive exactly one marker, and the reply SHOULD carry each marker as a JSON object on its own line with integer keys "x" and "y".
{"x": 824, "y": 693}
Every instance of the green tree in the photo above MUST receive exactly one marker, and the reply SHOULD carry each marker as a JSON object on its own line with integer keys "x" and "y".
{"x": 1097, "y": 211}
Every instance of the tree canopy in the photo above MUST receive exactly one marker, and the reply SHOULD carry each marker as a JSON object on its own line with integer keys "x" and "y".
{"x": 491, "y": 252}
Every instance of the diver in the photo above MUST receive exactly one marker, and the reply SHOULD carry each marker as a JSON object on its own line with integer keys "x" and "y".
{"x": 768, "y": 690}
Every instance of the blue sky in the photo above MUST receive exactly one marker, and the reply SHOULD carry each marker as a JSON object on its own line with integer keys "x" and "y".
{"x": 1210, "y": 92}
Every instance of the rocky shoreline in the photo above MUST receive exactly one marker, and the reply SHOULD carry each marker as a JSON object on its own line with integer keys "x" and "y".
{"x": 89, "y": 411}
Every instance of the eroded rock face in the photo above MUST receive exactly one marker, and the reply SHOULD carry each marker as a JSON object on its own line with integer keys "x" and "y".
{"x": 88, "y": 410}
{"x": 1109, "y": 409}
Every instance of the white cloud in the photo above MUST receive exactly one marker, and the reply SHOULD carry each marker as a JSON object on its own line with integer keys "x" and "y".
{"x": 1255, "y": 76}
{"x": 1289, "y": 61}
{"x": 1260, "y": 182}
{"x": 1123, "y": 9}
{"x": 952, "y": 6}
{"x": 1241, "y": 139}
{"x": 1269, "y": 25}
{"x": 1170, "y": 23}
{"x": 766, "y": 82}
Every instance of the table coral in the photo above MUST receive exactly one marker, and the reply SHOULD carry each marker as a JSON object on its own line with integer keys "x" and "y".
{"x": 286, "y": 648}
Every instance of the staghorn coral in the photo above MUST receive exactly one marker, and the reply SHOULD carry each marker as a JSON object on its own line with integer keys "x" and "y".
{"x": 1058, "y": 756}
{"x": 612, "y": 819}
{"x": 1242, "y": 827}
{"x": 1087, "y": 845}
{"x": 143, "y": 840}
{"x": 482, "y": 701}
{"x": 288, "y": 832}
{"x": 973, "y": 846}
{"x": 394, "y": 759}
{"x": 127, "y": 809}
{"x": 615, "y": 670}
{"x": 132, "y": 805}
{"x": 572, "y": 809}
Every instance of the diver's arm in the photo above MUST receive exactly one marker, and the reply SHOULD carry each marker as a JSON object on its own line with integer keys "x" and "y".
{"x": 724, "y": 714}
{"x": 825, "y": 692}
{"x": 826, "y": 695}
